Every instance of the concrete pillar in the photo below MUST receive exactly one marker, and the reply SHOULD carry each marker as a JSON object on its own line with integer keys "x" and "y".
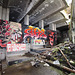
{"x": 73, "y": 32}
{"x": 0, "y": 12}
{"x": 7, "y": 15}
{"x": 26, "y": 20}
{"x": 41, "y": 24}
{"x": 52, "y": 26}
{"x": 73, "y": 21}
{"x": 4, "y": 13}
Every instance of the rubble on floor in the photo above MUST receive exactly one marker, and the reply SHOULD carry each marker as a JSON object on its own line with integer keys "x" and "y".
{"x": 61, "y": 56}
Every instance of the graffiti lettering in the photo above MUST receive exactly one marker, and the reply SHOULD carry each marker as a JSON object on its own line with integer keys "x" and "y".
{"x": 35, "y": 32}
{"x": 52, "y": 37}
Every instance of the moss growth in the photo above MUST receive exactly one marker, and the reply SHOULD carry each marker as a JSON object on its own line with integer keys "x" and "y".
{"x": 59, "y": 71}
{"x": 54, "y": 50}
{"x": 66, "y": 48}
{"x": 55, "y": 58}
{"x": 72, "y": 74}
{"x": 61, "y": 60}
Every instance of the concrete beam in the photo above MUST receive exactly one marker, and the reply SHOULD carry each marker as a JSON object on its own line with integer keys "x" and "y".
{"x": 57, "y": 21}
{"x": 41, "y": 24}
{"x": 46, "y": 15}
{"x": 33, "y": 6}
{"x": 61, "y": 24}
{"x": 49, "y": 13}
{"x": 55, "y": 18}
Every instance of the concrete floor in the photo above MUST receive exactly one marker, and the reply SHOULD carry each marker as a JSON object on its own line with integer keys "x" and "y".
{"x": 25, "y": 68}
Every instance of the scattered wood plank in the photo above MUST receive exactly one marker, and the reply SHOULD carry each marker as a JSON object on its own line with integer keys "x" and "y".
{"x": 60, "y": 66}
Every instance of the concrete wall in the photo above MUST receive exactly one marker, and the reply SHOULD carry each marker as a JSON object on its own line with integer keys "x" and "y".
{"x": 20, "y": 52}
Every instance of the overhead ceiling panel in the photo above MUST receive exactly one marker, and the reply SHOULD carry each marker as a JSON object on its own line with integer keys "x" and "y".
{"x": 58, "y": 25}
{"x": 61, "y": 24}
{"x": 18, "y": 4}
{"x": 16, "y": 8}
{"x": 54, "y": 18}
{"x": 48, "y": 7}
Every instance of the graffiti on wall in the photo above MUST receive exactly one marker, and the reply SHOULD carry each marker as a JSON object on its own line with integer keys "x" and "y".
{"x": 38, "y": 42}
{"x": 52, "y": 37}
{"x": 39, "y": 36}
{"x": 5, "y": 32}
{"x": 16, "y": 47}
{"x": 16, "y": 31}
{"x": 34, "y": 33}
{"x": 9, "y": 33}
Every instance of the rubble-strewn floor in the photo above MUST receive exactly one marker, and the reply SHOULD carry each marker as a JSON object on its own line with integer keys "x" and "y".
{"x": 27, "y": 69}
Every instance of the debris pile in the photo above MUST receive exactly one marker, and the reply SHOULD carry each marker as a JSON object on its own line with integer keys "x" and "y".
{"x": 62, "y": 54}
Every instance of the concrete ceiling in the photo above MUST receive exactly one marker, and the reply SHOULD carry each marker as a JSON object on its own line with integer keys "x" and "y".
{"x": 62, "y": 23}
{"x": 17, "y": 7}
{"x": 56, "y": 18}
{"x": 46, "y": 9}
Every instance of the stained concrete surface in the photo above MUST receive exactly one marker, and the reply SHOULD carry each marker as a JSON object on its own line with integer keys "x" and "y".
{"x": 25, "y": 68}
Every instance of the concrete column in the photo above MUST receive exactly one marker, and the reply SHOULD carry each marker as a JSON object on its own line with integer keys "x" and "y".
{"x": 0, "y": 12}
{"x": 73, "y": 21}
{"x": 4, "y": 13}
{"x": 52, "y": 26}
{"x": 7, "y": 14}
{"x": 26, "y": 20}
{"x": 41, "y": 24}
{"x": 73, "y": 32}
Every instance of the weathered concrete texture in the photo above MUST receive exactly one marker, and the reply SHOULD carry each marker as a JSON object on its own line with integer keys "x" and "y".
{"x": 27, "y": 69}
{"x": 18, "y": 59}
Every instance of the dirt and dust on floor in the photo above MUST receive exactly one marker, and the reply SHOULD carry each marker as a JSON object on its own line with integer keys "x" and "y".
{"x": 58, "y": 60}
{"x": 26, "y": 68}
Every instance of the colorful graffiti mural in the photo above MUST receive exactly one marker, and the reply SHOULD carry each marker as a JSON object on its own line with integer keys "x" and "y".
{"x": 52, "y": 37}
{"x": 5, "y": 32}
{"x": 9, "y": 33}
{"x": 34, "y": 33}
{"x": 16, "y": 31}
